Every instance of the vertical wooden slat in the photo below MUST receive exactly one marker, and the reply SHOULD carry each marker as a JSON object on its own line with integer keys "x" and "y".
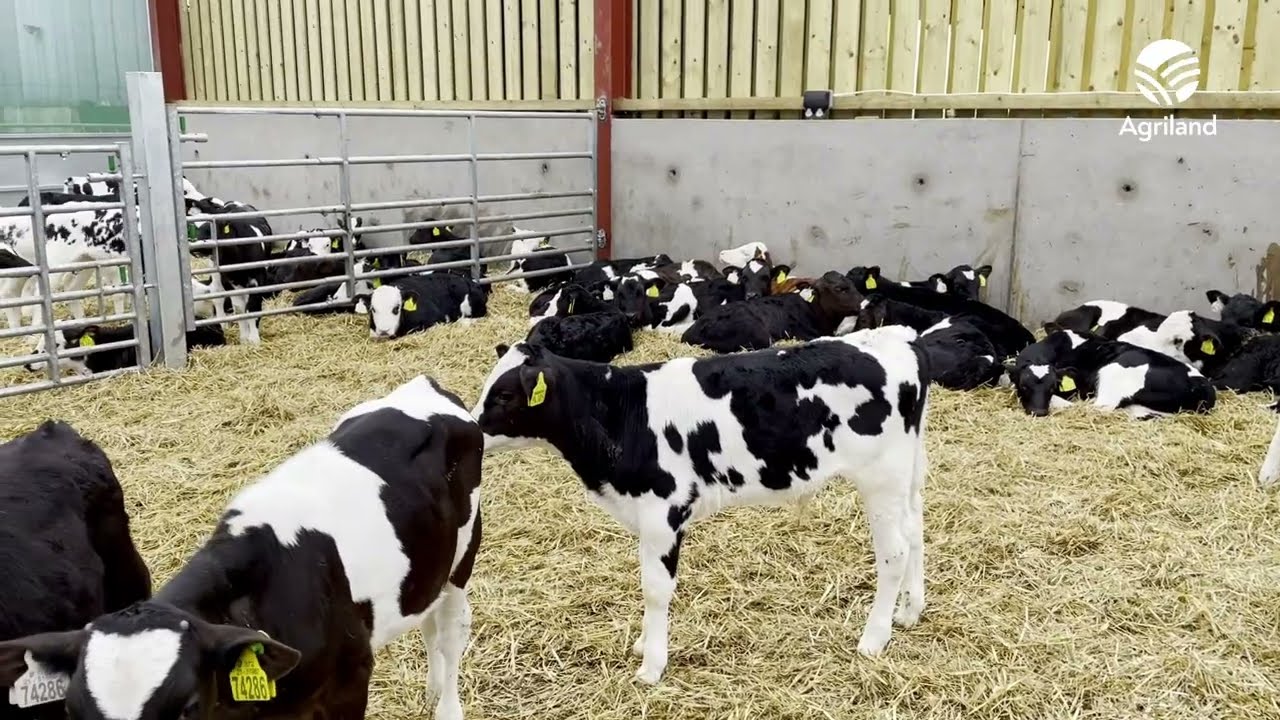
{"x": 493, "y": 42}
{"x": 586, "y": 50}
{"x": 873, "y": 64}
{"x": 568, "y": 31}
{"x": 328, "y": 72}
{"x": 1188, "y": 23}
{"x": 461, "y": 51}
{"x": 399, "y": 58}
{"x": 1266, "y": 71}
{"x": 414, "y": 61}
{"x": 382, "y": 49}
{"x": 189, "y": 51}
{"x": 301, "y": 51}
{"x": 429, "y": 53}
{"x": 373, "y": 72}
{"x": 511, "y": 49}
{"x": 717, "y": 50}
{"x": 1074, "y": 29}
{"x": 765, "y": 83}
{"x": 341, "y": 68}
{"x": 817, "y": 68}
{"x": 262, "y": 17}
{"x": 671, "y": 50}
{"x": 529, "y": 48}
{"x": 215, "y": 63}
{"x": 904, "y": 51}
{"x": 847, "y": 29}
{"x": 741, "y": 27}
{"x": 195, "y": 17}
{"x": 252, "y": 65}
{"x": 355, "y": 54}
{"x": 279, "y": 55}
{"x": 1226, "y": 54}
{"x": 444, "y": 49}
{"x": 223, "y": 32}
{"x": 1108, "y": 42}
{"x": 649, "y": 70}
{"x": 548, "y": 51}
{"x": 1144, "y": 24}
{"x": 998, "y": 51}
{"x": 476, "y": 49}
{"x": 791, "y": 49}
{"x": 315, "y": 68}
{"x": 236, "y": 30}
{"x": 693, "y": 61}
{"x": 935, "y": 40}
{"x": 1033, "y": 46}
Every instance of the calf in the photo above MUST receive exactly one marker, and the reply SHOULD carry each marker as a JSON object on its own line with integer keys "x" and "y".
{"x": 1201, "y": 342}
{"x": 967, "y": 281}
{"x": 1245, "y": 310}
{"x": 342, "y": 548}
{"x": 416, "y": 302}
{"x": 565, "y": 300}
{"x": 545, "y": 257}
{"x": 329, "y": 251}
{"x": 1256, "y": 366}
{"x": 758, "y": 323}
{"x": 961, "y": 355}
{"x": 115, "y": 358}
{"x": 246, "y": 280}
{"x": 107, "y": 281}
{"x": 1007, "y": 335}
{"x": 66, "y": 554}
{"x": 687, "y": 271}
{"x": 743, "y": 254}
{"x": 597, "y": 336}
{"x": 677, "y": 306}
{"x": 663, "y": 445}
{"x": 1117, "y": 375}
{"x": 607, "y": 271}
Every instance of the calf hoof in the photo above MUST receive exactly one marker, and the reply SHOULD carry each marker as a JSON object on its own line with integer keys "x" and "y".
{"x": 907, "y": 614}
{"x": 649, "y": 675}
{"x": 449, "y": 710}
{"x": 873, "y": 642}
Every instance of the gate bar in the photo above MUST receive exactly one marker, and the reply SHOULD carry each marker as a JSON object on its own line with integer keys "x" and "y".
{"x": 42, "y": 262}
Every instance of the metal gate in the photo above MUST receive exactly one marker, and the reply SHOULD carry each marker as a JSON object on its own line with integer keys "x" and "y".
{"x": 44, "y": 247}
{"x": 361, "y": 265}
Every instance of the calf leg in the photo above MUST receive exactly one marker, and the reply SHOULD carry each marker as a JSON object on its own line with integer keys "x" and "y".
{"x": 659, "y": 555}
{"x": 453, "y": 632}
{"x": 12, "y": 288}
{"x": 886, "y": 494}
{"x": 435, "y": 661}
{"x": 911, "y": 604}
{"x": 1270, "y": 470}
{"x": 248, "y": 328}
{"x": 78, "y": 282}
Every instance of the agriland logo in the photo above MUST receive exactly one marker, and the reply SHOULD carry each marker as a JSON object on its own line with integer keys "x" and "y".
{"x": 1167, "y": 73}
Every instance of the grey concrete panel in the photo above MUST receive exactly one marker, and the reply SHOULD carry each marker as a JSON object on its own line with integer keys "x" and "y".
{"x": 914, "y": 197}
{"x": 1156, "y": 224}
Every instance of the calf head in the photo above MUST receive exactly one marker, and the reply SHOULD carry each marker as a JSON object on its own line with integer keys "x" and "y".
{"x": 968, "y": 282}
{"x": 1038, "y": 385}
{"x": 873, "y": 312}
{"x": 938, "y": 283}
{"x": 741, "y": 255}
{"x": 634, "y": 296}
{"x": 1246, "y": 310}
{"x": 525, "y": 392}
{"x": 59, "y": 344}
{"x": 759, "y": 275}
{"x": 865, "y": 279}
{"x": 149, "y": 661}
{"x": 387, "y": 306}
{"x": 835, "y": 296}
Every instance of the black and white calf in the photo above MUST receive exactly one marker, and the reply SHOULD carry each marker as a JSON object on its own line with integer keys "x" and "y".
{"x": 546, "y": 258}
{"x": 608, "y": 271}
{"x": 1202, "y": 342}
{"x": 597, "y": 336}
{"x": 961, "y": 356}
{"x": 1117, "y": 375}
{"x": 1245, "y": 310}
{"x": 116, "y": 358}
{"x": 416, "y": 302}
{"x": 565, "y": 300}
{"x": 342, "y": 548}
{"x": 661, "y": 446}
{"x": 757, "y": 323}
{"x": 66, "y": 554}
{"x": 1256, "y": 366}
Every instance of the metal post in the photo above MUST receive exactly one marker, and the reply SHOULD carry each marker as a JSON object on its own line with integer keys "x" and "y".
{"x": 475, "y": 197}
{"x": 141, "y": 328}
{"x": 160, "y": 248}
{"x": 42, "y": 265}
{"x": 344, "y": 190}
{"x": 613, "y": 64}
{"x": 180, "y": 225}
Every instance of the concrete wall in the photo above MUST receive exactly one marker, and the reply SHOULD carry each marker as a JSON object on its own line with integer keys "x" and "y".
{"x": 1066, "y": 210}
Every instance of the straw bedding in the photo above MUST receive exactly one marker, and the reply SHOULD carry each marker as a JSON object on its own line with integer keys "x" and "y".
{"x": 1083, "y": 565}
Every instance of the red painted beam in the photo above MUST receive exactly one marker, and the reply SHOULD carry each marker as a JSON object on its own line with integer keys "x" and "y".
{"x": 166, "y": 47}
{"x": 613, "y": 70}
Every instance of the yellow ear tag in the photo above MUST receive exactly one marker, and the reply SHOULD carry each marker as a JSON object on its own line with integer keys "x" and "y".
{"x": 1269, "y": 318}
{"x": 1207, "y": 347}
{"x": 571, "y": 303}
{"x": 377, "y": 283}
{"x": 249, "y": 683}
{"x": 335, "y": 244}
{"x": 871, "y": 283}
{"x": 1066, "y": 384}
{"x": 982, "y": 281}
{"x": 652, "y": 291}
{"x": 226, "y": 229}
{"x": 87, "y": 341}
{"x": 410, "y": 305}
{"x": 435, "y": 232}
{"x": 1095, "y": 328}
{"x": 539, "y": 393}
{"x": 782, "y": 276}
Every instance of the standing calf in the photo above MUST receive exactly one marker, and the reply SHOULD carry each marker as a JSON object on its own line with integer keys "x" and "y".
{"x": 339, "y": 550}
{"x": 660, "y": 446}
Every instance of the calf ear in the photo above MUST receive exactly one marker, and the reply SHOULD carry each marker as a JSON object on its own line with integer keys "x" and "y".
{"x": 1217, "y": 299}
{"x": 780, "y": 273}
{"x": 533, "y": 379}
{"x": 59, "y": 650}
{"x": 984, "y": 273}
{"x": 1052, "y": 327}
{"x": 226, "y": 643}
{"x": 409, "y": 301}
{"x": 1269, "y": 315}
{"x": 1207, "y": 344}
{"x": 501, "y": 349}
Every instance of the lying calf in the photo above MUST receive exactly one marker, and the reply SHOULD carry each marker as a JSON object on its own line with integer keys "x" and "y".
{"x": 565, "y": 300}
{"x": 1202, "y": 342}
{"x": 339, "y": 550}
{"x": 597, "y": 336}
{"x": 661, "y": 446}
{"x": 1116, "y": 375}
{"x": 417, "y": 302}
{"x": 115, "y": 358}
{"x": 757, "y": 323}
{"x": 1245, "y": 310}
{"x": 961, "y": 357}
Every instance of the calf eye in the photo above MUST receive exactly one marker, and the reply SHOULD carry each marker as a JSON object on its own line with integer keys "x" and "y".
{"x": 395, "y": 310}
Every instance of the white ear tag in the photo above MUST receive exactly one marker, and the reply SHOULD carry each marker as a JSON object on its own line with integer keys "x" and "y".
{"x": 38, "y": 685}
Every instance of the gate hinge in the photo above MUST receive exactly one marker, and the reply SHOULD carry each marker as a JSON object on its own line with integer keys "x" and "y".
{"x": 601, "y": 239}
{"x": 602, "y": 107}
